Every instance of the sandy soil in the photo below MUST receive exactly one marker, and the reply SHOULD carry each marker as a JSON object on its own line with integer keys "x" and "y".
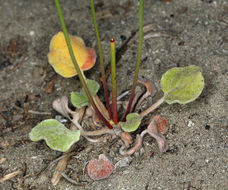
{"x": 196, "y": 33}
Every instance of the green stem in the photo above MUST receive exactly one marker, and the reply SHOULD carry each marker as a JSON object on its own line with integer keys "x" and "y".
{"x": 113, "y": 72}
{"x": 101, "y": 59}
{"x": 80, "y": 75}
{"x": 138, "y": 58}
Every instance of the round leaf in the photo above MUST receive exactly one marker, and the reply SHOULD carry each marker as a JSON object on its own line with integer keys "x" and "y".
{"x": 80, "y": 99}
{"x": 56, "y": 135}
{"x": 132, "y": 123}
{"x": 182, "y": 85}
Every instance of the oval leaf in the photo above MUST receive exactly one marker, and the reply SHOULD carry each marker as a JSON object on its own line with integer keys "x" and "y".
{"x": 56, "y": 135}
{"x": 132, "y": 123}
{"x": 80, "y": 99}
{"x": 182, "y": 85}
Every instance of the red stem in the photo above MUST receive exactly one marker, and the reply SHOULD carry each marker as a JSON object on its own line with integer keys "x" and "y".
{"x": 130, "y": 102}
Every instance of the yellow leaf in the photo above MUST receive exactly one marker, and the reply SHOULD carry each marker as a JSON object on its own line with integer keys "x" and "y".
{"x": 60, "y": 59}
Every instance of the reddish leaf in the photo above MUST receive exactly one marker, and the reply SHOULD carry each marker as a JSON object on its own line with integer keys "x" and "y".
{"x": 161, "y": 123}
{"x": 101, "y": 168}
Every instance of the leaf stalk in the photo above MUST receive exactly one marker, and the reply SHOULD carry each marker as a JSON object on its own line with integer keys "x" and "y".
{"x": 153, "y": 107}
{"x": 138, "y": 59}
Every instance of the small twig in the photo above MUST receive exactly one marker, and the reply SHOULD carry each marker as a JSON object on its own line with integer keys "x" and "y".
{"x": 38, "y": 112}
{"x": 4, "y": 117}
{"x": 37, "y": 174}
{"x": 60, "y": 158}
{"x": 61, "y": 166}
{"x": 156, "y": 34}
{"x": 53, "y": 162}
{"x": 122, "y": 95}
{"x": 2, "y": 160}
{"x": 22, "y": 178}
{"x": 71, "y": 180}
{"x": 100, "y": 139}
{"x": 10, "y": 176}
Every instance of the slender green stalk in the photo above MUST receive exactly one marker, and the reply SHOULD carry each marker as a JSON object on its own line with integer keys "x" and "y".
{"x": 82, "y": 80}
{"x": 101, "y": 59}
{"x": 138, "y": 58}
{"x": 113, "y": 72}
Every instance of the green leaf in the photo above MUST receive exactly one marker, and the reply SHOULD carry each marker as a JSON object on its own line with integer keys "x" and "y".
{"x": 132, "y": 123}
{"x": 56, "y": 135}
{"x": 80, "y": 99}
{"x": 182, "y": 85}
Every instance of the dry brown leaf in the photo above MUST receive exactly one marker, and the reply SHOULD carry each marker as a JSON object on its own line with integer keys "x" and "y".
{"x": 50, "y": 85}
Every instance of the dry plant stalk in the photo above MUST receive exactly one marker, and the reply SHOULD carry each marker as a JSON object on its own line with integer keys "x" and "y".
{"x": 2, "y": 160}
{"x": 10, "y": 176}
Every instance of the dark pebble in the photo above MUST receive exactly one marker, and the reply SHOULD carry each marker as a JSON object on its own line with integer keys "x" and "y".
{"x": 172, "y": 15}
{"x": 122, "y": 37}
{"x": 207, "y": 127}
{"x": 18, "y": 103}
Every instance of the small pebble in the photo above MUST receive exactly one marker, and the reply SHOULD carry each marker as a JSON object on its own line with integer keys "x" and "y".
{"x": 190, "y": 124}
{"x": 126, "y": 172}
{"x": 207, "y": 127}
{"x": 31, "y": 33}
{"x": 60, "y": 119}
{"x": 157, "y": 61}
{"x": 123, "y": 162}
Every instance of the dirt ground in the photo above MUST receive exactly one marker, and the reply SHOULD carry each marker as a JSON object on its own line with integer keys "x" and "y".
{"x": 189, "y": 32}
